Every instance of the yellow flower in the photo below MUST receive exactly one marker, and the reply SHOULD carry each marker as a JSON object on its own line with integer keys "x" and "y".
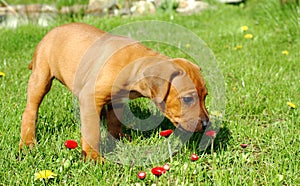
{"x": 244, "y": 28}
{"x": 291, "y": 104}
{"x": 285, "y": 52}
{"x": 44, "y": 174}
{"x": 188, "y": 45}
{"x": 2, "y": 74}
{"x": 238, "y": 47}
{"x": 248, "y": 36}
{"x": 216, "y": 114}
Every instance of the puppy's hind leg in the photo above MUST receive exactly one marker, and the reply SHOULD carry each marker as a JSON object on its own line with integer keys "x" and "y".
{"x": 39, "y": 85}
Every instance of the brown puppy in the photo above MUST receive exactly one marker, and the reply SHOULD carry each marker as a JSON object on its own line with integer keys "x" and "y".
{"x": 101, "y": 69}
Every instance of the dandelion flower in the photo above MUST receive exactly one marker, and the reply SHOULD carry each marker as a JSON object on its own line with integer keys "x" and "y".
{"x": 244, "y": 28}
{"x": 2, "y": 74}
{"x": 291, "y": 105}
{"x": 285, "y": 52}
{"x": 238, "y": 47}
{"x": 44, "y": 174}
{"x": 248, "y": 36}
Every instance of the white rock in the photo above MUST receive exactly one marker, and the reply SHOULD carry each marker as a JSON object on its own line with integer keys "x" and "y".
{"x": 143, "y": 7}
{"x": 192, "y": 6}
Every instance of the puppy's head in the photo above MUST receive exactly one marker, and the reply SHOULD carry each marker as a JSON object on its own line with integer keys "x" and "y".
{"x": 185, "y": 103}
{"x": 178, "y": 89}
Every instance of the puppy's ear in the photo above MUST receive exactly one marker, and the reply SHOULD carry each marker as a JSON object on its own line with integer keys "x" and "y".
{"x": 157, "y": 80}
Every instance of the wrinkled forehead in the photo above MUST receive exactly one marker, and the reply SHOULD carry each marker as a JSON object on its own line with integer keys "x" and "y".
{"x": 191, "y": 78}
{"x": 198, "y": 81}
{"x": 189, "y": 82}
{"x": 184, "y": 84}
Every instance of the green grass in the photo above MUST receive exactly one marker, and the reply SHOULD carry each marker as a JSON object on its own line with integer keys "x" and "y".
{"x": 259, "y": 80}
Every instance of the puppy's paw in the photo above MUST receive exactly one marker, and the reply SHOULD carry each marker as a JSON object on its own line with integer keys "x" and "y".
{"x": 89, "y": 153}
{"x": 27, "y": 144}
{"x": 92, "y": 155}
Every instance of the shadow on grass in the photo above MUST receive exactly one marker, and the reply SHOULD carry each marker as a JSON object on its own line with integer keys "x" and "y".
{"x": 220, "y": 142}
{"x": 190, "y": 140}
{"x": 139, "y": 139}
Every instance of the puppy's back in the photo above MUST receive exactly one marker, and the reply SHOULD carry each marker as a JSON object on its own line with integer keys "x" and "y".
{"x": 62, "y": 48}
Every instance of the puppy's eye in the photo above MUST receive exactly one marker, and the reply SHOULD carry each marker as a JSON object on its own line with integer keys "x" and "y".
{"x": 188, "y": 100}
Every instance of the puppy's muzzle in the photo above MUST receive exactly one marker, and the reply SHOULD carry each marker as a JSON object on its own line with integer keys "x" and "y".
{"x": 206, "y": 124}
{"x": 195, "y": 125}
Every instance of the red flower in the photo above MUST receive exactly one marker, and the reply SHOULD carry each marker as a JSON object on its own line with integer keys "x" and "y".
{"x": 166, "y": 167}
{"x": 71, "y": 144}
{"x": 244, "y": 145}
{"x": 211, "y": 133}
{"x": 141, "y": 175}
{"x": 194, "y": 157}
{"x": 166, "y": 133}
{"x": 158, "y": 171}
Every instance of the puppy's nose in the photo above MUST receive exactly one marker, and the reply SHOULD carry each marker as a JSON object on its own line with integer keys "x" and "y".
{"x": 205, "y": 124}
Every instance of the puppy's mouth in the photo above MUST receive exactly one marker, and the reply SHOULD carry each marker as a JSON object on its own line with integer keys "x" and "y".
{"x": 190, "y": 127}
{"x": 179, "y": 126}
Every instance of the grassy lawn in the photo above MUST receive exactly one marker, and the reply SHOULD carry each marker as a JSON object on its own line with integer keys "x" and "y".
{"x": 260, "y": 79}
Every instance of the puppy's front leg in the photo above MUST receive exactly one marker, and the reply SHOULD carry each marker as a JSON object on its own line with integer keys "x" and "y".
{"x": 90, "y": 126}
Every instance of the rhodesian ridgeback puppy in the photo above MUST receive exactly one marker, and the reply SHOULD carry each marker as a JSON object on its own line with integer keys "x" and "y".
{"x": 101, "y": 69}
